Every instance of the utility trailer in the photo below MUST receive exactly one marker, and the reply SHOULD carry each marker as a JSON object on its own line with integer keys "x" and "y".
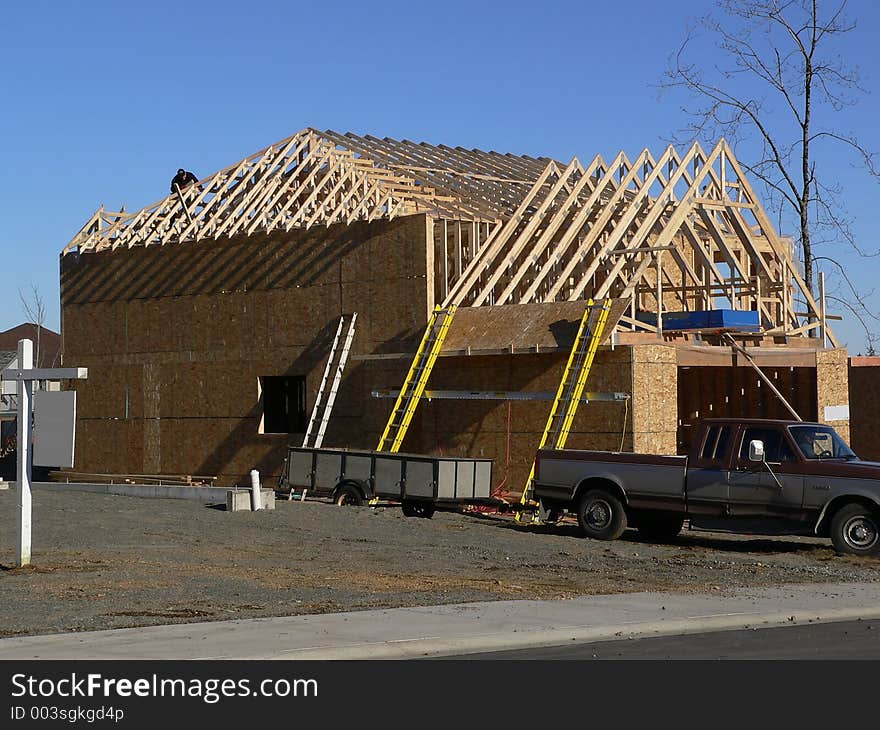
{"x": 419, "y": 482}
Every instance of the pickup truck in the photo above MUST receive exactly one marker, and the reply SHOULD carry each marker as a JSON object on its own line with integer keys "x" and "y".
{"x": 749, "y": 476}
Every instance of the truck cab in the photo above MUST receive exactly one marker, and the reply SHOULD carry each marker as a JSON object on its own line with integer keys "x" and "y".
{"x": 776, "y": 475}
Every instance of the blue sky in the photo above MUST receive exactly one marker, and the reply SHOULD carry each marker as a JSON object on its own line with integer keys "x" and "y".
{"x": 104, "y": 101}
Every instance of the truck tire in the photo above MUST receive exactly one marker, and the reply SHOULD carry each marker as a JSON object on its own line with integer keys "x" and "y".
{"x": 348, "y": 495}
{"x": 601, "y": 515}
{"x": 418, "y": 508}
{"x": 855, "y": 529}
{"x": 660, "y": 528}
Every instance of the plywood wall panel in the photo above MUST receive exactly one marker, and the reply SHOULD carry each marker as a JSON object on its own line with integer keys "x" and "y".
{"x": 177, "y": 337}
{"x": 654, "y": 401}
{"x": 832, "y": 385}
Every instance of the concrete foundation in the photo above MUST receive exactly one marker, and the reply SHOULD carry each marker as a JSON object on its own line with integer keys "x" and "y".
{"x": 240, "y": 500}
{"x": 208, "y": 495}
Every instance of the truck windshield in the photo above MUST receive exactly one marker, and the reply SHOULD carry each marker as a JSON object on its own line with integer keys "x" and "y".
{"x": 821, "y": 442}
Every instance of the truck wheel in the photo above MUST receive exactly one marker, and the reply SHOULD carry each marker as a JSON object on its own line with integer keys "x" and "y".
{"x": 414, "y": 508}
{"x": 348, "y": 495}
{"x": 660, "y": 527}
{"x": 855, "y": 529}
{"x": 601, "y": 515}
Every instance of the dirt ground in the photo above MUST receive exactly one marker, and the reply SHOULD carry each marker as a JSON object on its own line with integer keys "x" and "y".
{"x": 106, "y": 562}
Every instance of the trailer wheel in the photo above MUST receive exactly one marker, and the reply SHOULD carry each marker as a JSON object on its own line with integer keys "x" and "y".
{"x": 601, "y": 515}
{"x": 855, "y": 529}
{"x": 661, "y": 527}
{"x": 414, "y": 508}
{"x": 348, "y": 495}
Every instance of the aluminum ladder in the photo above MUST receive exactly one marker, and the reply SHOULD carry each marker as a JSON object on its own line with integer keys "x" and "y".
{"x": 416, "y": 379}
{"x": 326, "y": 398}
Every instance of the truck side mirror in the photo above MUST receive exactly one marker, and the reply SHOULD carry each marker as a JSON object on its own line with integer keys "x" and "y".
{"x": 756, "y": 450}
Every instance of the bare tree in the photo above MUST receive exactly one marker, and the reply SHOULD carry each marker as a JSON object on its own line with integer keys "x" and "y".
{"x": 775, "y": 72}
{"x": 35, "y": 310}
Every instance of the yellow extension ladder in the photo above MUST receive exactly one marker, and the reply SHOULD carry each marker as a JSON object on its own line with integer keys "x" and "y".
{"x": 571, "y": 385}
{"x": 416, "y": 379}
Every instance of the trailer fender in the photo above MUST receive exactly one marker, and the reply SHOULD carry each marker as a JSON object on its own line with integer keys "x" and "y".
{"x": 363, "y": 486}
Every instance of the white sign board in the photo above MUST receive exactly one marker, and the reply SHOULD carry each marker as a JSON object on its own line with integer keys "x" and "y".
{"x": 837, "y": 413}
{"x": 54, "y": 428}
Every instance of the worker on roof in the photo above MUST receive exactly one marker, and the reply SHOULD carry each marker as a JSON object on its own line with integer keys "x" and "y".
{"x": 183, "y": 179}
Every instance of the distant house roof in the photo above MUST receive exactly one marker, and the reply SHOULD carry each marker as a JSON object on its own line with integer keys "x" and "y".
{"x": 50, "y": 343}
{"x": 7, "y": 358}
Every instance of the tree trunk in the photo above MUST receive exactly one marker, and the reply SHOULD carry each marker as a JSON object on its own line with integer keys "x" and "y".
{"x": 806, "y": 246}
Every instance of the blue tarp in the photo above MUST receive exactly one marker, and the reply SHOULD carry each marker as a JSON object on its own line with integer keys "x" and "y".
{"x": 710, "y": 319}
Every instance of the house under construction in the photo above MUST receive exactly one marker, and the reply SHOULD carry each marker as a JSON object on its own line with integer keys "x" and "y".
{"x": 206, "y": 320}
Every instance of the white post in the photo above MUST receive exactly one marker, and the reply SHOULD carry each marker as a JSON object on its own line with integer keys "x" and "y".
{"x": 25, "y": 375}
{"x": 256, "y": 501}
{"x": 823, "y": 326}
{"x": 23, "y": 446}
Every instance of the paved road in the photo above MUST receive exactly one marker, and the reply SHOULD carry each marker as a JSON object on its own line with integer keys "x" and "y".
{"x": 845, "y": 640}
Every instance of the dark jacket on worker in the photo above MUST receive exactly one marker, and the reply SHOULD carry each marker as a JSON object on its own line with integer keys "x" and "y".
{"x": 182, "y": 179}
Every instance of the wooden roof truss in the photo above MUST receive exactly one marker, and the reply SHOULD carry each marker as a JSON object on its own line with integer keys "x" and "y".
{"x": 672, "y": 233}
{"x": 321, "y": 178}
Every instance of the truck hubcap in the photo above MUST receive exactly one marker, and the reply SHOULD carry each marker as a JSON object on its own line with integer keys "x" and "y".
{"x": 599, "y": 515}
{"x": 860, "y": 532}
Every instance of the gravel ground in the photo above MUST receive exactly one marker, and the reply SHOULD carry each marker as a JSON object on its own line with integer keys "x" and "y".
{"x": 104, "y": 561}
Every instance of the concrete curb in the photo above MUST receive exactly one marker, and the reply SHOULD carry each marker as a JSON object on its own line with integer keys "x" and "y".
{"x": 208, "y": 495}
{"x": 437, "y": 647}
{"x": 464, "y": 628}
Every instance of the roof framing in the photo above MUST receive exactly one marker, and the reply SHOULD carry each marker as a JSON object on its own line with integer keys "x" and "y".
{"x": 674, "y": 232}
{"x": 320, "y": 178}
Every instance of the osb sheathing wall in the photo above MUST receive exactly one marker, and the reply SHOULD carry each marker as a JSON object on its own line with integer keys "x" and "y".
{"x": 864, "y": 397}
{"x": 654, "y": 399}
{"x": 832, "y": 385}
{"x": 175, "y": 338}
{"x": 482, "y": 428}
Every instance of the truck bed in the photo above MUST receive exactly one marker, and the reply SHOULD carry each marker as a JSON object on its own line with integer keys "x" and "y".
{"x": 644, "y": 477}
